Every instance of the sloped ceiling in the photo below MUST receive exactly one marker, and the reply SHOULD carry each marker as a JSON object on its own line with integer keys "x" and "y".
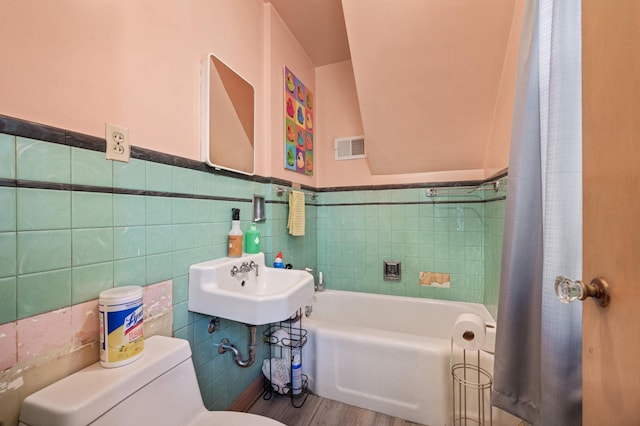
{"x": 319, "y": 27}
{"x": 428, "y": 73}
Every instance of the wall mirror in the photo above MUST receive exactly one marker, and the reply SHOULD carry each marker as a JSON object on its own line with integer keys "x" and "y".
{"x": 228, "y": 111}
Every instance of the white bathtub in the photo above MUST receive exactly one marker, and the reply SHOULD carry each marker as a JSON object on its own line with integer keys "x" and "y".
{"x": 390, "y": 354}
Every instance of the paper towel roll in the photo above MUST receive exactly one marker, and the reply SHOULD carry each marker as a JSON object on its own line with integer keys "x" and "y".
{"x": 469, "y": 332}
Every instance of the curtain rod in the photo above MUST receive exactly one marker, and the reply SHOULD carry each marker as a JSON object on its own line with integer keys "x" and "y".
{"x": 451, "y": 190}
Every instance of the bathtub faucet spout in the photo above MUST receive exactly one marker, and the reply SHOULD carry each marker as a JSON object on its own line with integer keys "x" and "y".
{"x": 317, "y": 283}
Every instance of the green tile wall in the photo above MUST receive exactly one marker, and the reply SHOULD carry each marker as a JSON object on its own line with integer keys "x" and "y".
{"x": 493, "y": 232}
{"x": 43, "y": 291}
{"x": 41, "y": 209}
{"x": 90, "y": 168}
{"x": 62, "y": 247}
{"x": 403, "y": 225}
{"x": 42, "y": 161}
{"x": 42, "y": 251}
{"x": 59, "y": 247}
{"x": 7, "y": 156}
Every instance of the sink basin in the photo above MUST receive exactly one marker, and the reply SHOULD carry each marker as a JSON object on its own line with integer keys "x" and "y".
{"x": 262, "y": 295}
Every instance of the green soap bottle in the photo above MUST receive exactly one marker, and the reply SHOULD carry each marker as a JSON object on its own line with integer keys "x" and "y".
{"x": 253, "y": 240}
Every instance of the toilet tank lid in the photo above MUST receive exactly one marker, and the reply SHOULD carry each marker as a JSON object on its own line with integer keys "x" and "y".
{"x": 82, "y": 397}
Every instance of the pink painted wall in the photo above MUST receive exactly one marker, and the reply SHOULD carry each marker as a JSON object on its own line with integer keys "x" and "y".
{"x": 42, "y": 349}
{"x": 62, "y": 331}
{"x": 77, "y": 65}
{"x": 137, "y": 64}
{"x": 486, "y": 151}
{"x": 283, "y": 49}
{"x": 337, "y": 103}
{"x": 497, "y": 154}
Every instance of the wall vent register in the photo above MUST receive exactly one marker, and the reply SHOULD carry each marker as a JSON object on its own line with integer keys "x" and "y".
{"x": 349, "y": 148}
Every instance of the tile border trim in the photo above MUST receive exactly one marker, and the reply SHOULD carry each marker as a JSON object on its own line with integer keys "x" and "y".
{"x": 28, "y": 129}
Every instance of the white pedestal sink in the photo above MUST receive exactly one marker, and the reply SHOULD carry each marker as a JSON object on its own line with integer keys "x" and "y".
{"x": 251, "y": 293}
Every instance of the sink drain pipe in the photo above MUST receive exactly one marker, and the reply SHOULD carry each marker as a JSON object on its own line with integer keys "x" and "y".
{"x": 225, "y": 346}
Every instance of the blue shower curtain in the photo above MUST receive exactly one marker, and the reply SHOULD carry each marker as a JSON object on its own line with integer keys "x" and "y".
{"x": 537, "y": 372}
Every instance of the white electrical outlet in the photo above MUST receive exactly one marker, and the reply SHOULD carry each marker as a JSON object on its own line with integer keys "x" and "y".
{"x": 118, "y": 147}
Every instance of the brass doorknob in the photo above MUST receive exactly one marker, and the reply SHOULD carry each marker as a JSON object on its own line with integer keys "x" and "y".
{"x": 568, "y": 290}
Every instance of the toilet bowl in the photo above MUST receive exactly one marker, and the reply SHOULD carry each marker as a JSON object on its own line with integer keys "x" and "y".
{"x": 160, "y": 388}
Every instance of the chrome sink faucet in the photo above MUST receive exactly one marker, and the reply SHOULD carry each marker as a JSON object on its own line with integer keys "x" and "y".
{"x": 254, "y": 265}
{"x": 245, "y": 267}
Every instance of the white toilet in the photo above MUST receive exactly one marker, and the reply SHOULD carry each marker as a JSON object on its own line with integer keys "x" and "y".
{"x": 160, "y": 388}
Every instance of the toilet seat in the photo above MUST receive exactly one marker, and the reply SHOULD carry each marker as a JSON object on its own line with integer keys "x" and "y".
{"x": 231, "y": 418}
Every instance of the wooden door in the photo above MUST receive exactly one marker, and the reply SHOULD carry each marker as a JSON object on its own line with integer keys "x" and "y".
{"x": 611, "y": 210}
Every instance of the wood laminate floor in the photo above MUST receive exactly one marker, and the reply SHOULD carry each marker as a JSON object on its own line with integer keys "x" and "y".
{"x": 318, "y": 411}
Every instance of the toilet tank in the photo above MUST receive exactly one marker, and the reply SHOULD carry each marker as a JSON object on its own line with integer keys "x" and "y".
{"x": 159, "y": 388}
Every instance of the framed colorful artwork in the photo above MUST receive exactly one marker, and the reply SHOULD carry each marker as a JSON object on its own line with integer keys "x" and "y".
{"x": 298, "y": 125}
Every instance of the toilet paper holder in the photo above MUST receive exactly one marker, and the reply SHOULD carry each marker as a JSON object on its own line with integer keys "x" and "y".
{"x": 568, "y": 290}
